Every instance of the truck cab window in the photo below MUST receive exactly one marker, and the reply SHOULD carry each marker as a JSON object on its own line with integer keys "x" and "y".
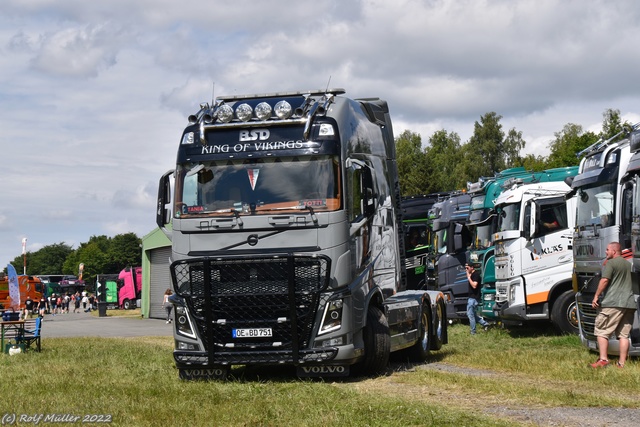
{"x": 552, "y": 219}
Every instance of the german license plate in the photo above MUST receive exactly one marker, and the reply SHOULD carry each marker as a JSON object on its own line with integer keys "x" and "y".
{"x": 252, "y": 333}
{"x": 592, "y": 345}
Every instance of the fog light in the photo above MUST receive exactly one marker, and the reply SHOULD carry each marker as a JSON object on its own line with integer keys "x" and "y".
{"x": 333, "y": 341}
{"x": 326, "y": 129}
{"x": 187, "y": 346}
{"x": 224, "y": 113}
{"x": 244, "y": 112}
{"x": 263, "y": 111}
{"x": 188, "y": 138}
{"x": 283, "y": 110}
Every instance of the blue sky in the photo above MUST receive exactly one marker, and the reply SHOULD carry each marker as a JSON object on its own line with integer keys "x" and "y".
{"x": 94, "y": 95}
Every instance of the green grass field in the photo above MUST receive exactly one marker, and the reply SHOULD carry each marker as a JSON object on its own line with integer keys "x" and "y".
{"x": 135, "y": 382}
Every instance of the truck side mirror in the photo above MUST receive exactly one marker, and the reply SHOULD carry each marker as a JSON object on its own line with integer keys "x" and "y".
{"x": 458, "y": 240}
{"x": 163, "y": 210}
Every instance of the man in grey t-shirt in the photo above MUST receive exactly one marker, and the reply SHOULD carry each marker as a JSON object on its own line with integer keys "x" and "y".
{"x": 616, "y": 309}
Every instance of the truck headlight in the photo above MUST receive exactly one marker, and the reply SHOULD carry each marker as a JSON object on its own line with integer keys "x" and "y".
{"x": 332, "y": 317}
{"x": 180, "y": 345}
{"x": 183, "y": 322}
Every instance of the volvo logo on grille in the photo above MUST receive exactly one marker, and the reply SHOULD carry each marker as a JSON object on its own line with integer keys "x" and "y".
{"x": 252, "y": 240}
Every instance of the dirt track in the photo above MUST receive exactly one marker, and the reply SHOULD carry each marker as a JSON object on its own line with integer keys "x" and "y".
{"x": 504, "y": 409}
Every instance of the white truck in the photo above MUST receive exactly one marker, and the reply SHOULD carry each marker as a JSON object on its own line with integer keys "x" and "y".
{"x": 608, "y": 210}
{"x": 287, "y": 239}
{"x": 534, "y": 256}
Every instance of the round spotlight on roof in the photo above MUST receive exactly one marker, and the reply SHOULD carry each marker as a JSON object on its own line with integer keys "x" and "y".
{"x": 224, "y": 113}
{"x": 244, "y": 112}
{"x": 283, "y": 110}
{"x": 263, "y": 111}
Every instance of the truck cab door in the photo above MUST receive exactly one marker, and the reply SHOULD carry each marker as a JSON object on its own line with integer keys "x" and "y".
{"x": 626, "y": 214}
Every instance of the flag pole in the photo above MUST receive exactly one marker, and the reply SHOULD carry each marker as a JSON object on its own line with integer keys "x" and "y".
{"x": 24, "y": 256}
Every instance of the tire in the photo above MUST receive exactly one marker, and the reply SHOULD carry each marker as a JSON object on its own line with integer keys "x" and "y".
{"x": 420, "y": 350}
{"x": 439, "y": 326}
{"x": 126, "y": 304}
{"x": 564, "y": 313}
{"x": 377, "y": 343}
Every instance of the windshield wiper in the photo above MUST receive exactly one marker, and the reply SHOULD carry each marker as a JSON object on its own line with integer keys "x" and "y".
{"x": 235, "y": 212}
{"x": 297, "y": 208}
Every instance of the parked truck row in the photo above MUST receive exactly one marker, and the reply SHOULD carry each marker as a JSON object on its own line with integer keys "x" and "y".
{"x": 291, "y": 242}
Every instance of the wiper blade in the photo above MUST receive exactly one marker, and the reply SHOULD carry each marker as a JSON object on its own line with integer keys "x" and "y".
{"x": 314, "y": 218}
{"x": 235, "y": 212}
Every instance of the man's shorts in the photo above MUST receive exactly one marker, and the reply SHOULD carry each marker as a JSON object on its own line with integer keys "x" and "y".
{"x": 612, "y": 320}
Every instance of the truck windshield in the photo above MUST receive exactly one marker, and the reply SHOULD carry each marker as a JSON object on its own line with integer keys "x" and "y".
{"x": 254, "y": 186}
{"x": 509, "y": 217}
{"x": 596, "y": 205}
{"x": 482, "y": 235}
{"x": 440, "y": 241}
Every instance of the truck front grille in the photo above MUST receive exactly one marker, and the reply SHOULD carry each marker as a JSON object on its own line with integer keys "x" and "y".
{"x": 587, "y": 316}
{"x": 584, "y": 299}
{"x": 280, "y": 292}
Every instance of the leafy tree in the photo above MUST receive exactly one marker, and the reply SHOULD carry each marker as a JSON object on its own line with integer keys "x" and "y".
{"x": 94, "y": 260}
{"x": 125, "y": 250}
{"x": 18, "y": 264}
{"x": 512, "y": 145}
{"x": 611, "y": 123}
{"x": 567, "y": 144}
{"x": 104, "y": 255}
{"x": 49, "y": 259}
{"x": 412, "y": 164}
{"x": 443, "y": 156}
{"x": 486, "y": 147}
{"x": 533, "y": 162}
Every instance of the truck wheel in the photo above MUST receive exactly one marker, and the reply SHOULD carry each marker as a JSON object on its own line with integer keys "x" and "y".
{"x": 564, "y": 314}
{"x": 420, "y": 350}
{"x": 439, "y": 326}
{"x": 126, "y": 304}
{"x": 377, "y": 343}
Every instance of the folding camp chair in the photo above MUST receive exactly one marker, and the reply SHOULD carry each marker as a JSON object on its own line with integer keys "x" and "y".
{"x": 31, "y": 336}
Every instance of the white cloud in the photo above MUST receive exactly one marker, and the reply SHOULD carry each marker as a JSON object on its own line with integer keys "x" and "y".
{"x": 94, "y": 95}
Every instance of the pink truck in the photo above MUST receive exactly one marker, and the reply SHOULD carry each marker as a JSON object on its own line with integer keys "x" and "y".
{"x": 129, "y": 287}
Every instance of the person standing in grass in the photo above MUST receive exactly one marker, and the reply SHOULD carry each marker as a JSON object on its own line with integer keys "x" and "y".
{"x": 475, "y": 286}
{"x": 617, "y": 307}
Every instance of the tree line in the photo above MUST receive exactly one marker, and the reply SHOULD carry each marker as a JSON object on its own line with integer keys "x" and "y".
{"x": 446, "y": 164}
{"x": 100, "y": 255}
